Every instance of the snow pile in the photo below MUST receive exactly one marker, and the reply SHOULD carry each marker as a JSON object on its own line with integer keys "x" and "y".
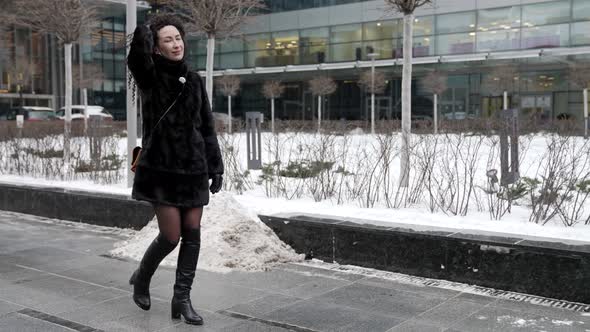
{"x": 230, "y": 239}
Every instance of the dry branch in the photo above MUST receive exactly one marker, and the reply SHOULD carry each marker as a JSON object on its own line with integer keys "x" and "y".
{"x": 435, "y": 82}
{"x": 406, "y": 6}
{"x": 273, "y": 89}
{"x": 579, "y": 75}
{"x": 322, "y": 86}
{"x": 501, "y": 79}
{"x": 66, "y": 19}
{"x": 219, "y": 18}
{"x": 366, "y": 83}
{"x": 228, "y": 85}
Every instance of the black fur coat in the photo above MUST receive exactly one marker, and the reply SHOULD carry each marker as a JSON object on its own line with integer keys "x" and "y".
{"x": 184, "y": 142}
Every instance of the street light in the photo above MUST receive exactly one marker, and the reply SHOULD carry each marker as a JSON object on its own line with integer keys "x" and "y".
{"x": 372, "y": 56}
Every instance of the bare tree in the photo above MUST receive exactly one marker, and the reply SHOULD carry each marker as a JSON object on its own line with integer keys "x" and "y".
{"x": 380, "y": 82}
{"x": 407, "y": 8}
{"x": 20, "y": 73}
{"x": 435, "y": 83}
{"x": 579, "y": 76}
{"x": 502, "y": 80}
{"x": 229, "y": 86}
{"x": 215, "y": 19}
{"x": 321, "y": 86}
{"x": 271, "y": 90}
{"x": 373, "y": 82}
{"x": 67, "y": 20}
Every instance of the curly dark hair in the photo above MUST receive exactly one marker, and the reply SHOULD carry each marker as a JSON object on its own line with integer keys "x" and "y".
{"x": 158, "y": 21}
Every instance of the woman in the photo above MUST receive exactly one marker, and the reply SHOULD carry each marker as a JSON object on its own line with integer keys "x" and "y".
{"x": 180, "y": 155}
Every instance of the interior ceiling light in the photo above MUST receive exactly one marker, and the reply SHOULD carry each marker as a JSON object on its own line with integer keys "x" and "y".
{"x": 378, "y": 24}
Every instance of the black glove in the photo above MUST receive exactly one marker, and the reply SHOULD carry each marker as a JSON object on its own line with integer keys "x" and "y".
{"x": 216, "y": 183}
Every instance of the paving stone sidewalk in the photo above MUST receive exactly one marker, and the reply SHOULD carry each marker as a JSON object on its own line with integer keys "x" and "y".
{"x": 57, "y": 277}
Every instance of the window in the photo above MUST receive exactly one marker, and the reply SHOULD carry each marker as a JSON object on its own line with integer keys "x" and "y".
{"x": 385, "y": 48}
{"x": 232, "y": 60}
{"x": 546, "y": 13}
{"x": 314, "y": 45}
{"x": 500, "y": 18}
{"x": 346, "y": 33}
{"x": 498, "y": 40}
{"x": 459, "y": 22}
{"x": 198, "y": 47}
{"x": 423, "y": 25}
{"x": 286, "y": 47}
{"x": 580, "y": 35}
{"x": 459, "y": 43}
{"x": 259, "y": 41}
{"x": 261, "y": 58}
{"x": 231, "y": 45}
{"x": 382, "y": 30}
{"x": 581, "y": 10}
{"x": 422, "y": 46}
{"x": 345, "y": 52}
{"x": 545, "y": 36}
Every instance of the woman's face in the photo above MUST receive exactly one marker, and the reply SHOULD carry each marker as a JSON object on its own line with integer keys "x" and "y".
{"x": 170, "y": 43}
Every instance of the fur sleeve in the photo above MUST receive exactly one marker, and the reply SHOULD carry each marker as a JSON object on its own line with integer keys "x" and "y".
{"x": 140, "y": 60}
{"x": 214, "y": 160}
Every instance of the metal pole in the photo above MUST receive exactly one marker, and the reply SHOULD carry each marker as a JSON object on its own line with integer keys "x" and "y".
{"x": 229, "y": 113}
{"x": 586, "y": 113}
{"x": 372, "y": 56}
{"x": 435, "y": 113}
{"x": 505, "y": 102}
{"x": 85, "y": 103}
{"x": 131, "y": 23}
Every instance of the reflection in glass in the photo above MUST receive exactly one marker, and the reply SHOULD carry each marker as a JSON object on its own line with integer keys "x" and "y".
{"x": 580, "y": 35}
{"x": 546, "y": 13}
{"x": 261, "y": 58}
{"x": 314, "y": 45}
{"x": 581, "y": 10}
{"x": 387, "y": 49}
{"x": 382, "y": 30}
{"x": 286, "y": 47}
{"x": 232, "y": 60}
{"x": 258, "y": 41}
{"x": 499, "y": 18}
{"x": 346, "y": 33}
{"x": 498, "y": 40}
{"x": 422, "y": 46}
{"x": 546, "y": 36}
{"x": 345, "y": 52}
{"x": 231, "y": 45}
{"x": 458, "y": 22}
{"x": 423, "y": 25}
{"x": 459, "y": 43}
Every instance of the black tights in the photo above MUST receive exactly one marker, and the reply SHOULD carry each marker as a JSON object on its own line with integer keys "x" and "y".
{"x": 172, "y": 220}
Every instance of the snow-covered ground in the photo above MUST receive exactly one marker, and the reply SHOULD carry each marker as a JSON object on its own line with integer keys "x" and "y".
{"x": 233, "y": 235}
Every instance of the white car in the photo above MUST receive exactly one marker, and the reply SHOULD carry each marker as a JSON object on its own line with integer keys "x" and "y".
{"x": 78, "y": 112}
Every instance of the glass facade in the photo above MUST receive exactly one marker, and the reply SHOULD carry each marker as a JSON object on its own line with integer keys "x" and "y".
{"x": 275, "y": 6}
{"x": 558, "y": 23}
{"x": 551, "y": 24}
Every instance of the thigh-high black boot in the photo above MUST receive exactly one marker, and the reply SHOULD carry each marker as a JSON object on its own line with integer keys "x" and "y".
{"x": 188, "y": 257}
{"x": 141, "y": 278}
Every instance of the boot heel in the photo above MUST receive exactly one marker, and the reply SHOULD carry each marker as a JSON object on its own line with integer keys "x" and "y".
{"x": 175, "y": 312}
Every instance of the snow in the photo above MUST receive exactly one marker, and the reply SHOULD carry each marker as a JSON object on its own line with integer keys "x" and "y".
{"x": 230, "y": 239}
{"x": 234, "y": 238}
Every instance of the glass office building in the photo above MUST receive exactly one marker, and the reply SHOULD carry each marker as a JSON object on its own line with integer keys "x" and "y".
{"x": 297, "y": 40}
{"x": 465, "y": 40}
{"x": 98, "y": 64}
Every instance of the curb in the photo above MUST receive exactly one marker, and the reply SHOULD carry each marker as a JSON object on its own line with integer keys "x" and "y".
{"x": 79, "y": 206}
{"x": 548, "y": 269}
